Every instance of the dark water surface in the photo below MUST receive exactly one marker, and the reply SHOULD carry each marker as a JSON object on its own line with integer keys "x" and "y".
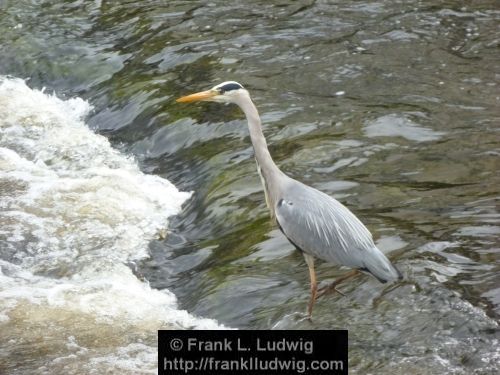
{"x": 392, "y": 107}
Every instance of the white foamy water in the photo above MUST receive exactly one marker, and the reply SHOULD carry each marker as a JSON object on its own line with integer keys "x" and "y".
{"x": 73, "y": 212}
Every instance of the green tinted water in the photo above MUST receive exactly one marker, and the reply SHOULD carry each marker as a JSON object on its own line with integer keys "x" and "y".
{"x": 391, "y": 107}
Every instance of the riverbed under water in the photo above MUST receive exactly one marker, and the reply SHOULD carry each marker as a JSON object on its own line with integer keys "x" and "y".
{"x": 391, "y": 107}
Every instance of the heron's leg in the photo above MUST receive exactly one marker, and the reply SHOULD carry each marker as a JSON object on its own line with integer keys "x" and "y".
{"x": 314, "y": 284}
{"x": 333, "y": 286}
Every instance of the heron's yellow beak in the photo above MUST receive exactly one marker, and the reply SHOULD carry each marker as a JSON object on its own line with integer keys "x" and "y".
{"x": 199, "y": 96}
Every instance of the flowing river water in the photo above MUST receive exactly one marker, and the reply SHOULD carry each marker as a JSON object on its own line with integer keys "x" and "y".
{"x": 123, "y": 212}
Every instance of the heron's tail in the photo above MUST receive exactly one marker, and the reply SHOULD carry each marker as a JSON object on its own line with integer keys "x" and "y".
{"x": 379, "y": 266}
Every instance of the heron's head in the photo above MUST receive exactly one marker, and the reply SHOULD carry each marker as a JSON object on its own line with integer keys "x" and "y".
{"x": 225, "y": 92}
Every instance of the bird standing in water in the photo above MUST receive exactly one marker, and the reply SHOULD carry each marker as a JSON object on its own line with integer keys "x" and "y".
{"x": 316, "y": 224}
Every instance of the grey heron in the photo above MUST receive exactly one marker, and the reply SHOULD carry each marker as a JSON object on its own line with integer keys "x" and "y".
{"x": 318, "y": 225}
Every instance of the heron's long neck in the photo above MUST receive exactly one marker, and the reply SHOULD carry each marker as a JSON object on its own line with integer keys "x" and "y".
{"x": 268, "y": 170}
{"x": 259, "y": 143}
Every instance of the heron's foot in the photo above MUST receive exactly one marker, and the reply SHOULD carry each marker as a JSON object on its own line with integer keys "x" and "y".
{"x": 333, "y": 286}
{"x": 327, "y": 289}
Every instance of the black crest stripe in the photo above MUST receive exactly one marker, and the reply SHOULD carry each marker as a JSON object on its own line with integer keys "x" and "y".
{"x": 230, "y": 86}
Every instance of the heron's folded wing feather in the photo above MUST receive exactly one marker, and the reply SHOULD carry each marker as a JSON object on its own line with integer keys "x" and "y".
{"x": 322, "y": 226}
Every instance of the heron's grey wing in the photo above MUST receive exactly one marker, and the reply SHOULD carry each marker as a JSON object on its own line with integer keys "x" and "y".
{"x": 321, "y": 226}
